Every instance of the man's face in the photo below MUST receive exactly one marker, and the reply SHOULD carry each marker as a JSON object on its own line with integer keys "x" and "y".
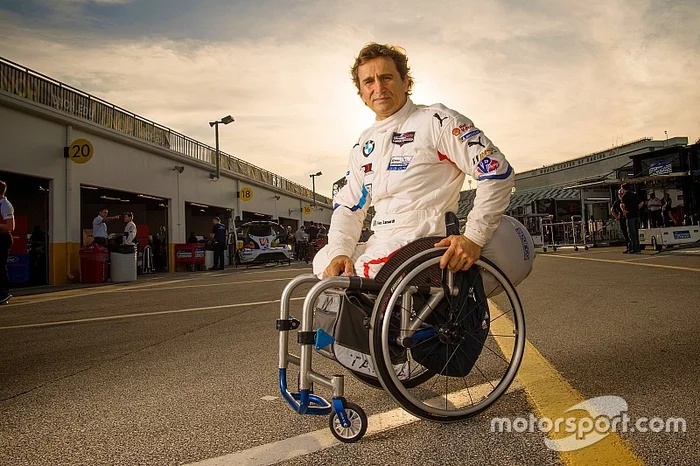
{"x": 127, "y": 219}
{"x": 381, "y": 86}
{"x": 104, "y": 212}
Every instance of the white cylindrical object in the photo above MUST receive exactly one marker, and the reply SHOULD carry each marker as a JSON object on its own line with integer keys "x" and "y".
{"x": 209, "y": 259}
{"x": 512, "y": 250}
{"x": 123, "y": 267}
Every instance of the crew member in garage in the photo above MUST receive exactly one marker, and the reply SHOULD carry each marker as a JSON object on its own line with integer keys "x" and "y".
{"x": 99, "y": 227}
{"x": 7, "y": 226}
{"x": 129, "y": 229}
{"x": 218, "y": 234}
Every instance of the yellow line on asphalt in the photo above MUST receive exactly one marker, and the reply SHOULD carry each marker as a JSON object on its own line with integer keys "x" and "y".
{"x": 551, "y": 395}
{"x": 613, "y": 261}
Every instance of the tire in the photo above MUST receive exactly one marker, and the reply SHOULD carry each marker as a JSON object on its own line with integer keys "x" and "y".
{"x": 576, "y": 248}
{"x": 358, "y": 420}
{"x": 544, "y": 249}
{"x": 380, "y": 343}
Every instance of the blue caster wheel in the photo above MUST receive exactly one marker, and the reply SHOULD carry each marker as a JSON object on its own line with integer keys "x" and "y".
{"x": 355, "y": 424}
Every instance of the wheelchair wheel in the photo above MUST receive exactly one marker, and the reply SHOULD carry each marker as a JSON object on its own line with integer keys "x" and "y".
{"x": 451, "y": 394}
{"x": 358, "y": 424}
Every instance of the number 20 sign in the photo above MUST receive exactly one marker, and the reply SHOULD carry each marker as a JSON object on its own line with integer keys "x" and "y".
{"x": 80, "y": 151}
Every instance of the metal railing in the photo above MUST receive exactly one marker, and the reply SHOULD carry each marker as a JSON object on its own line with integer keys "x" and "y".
{"x": 36, "y": 87}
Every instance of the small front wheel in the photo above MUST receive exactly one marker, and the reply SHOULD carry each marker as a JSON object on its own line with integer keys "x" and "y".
{"x": 358, "y": 424}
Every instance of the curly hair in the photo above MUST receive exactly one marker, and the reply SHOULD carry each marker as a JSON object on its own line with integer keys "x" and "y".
{"x": 374, "y": 50}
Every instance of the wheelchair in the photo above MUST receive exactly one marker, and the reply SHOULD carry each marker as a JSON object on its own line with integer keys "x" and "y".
{"x": 433, "y": 346}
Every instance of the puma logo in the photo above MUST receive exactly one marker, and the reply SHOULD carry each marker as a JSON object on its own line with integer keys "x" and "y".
{"x": 440, "y": 119}
{"x": 475, "y": 143}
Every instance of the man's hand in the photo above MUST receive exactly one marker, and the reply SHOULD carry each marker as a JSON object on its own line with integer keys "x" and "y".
{"x": 340, "y": 265}
{"x": 461, "y": 253}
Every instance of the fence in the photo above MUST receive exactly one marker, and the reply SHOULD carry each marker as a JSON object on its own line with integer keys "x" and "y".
{"x": 41, "y": 89}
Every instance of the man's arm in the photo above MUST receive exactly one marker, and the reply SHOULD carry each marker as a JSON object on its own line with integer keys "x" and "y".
{"x": 614, "y": 213}
{"x": 472, "y": 152}
{"x": 8, "y": 226}
{"x": 8, "y": 213}
{"x": 349, "y": 211}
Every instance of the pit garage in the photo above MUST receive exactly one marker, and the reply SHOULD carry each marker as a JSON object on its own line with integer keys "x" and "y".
{"x": 198, "y": 219}
{"x": 28, "y": 262}
{"x": 150, "y": 216}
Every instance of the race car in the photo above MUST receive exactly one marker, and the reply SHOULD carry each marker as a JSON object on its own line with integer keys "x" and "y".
{"x": 262, "y": 242}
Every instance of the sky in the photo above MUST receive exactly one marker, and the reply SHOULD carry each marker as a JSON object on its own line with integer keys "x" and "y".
{"x": 546, "y": 80}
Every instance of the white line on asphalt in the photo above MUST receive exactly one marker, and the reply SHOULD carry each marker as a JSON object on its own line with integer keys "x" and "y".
{"x": 322, "y": 439}
{"x": 144, "y": 314}
{"x": 269, "y": 398}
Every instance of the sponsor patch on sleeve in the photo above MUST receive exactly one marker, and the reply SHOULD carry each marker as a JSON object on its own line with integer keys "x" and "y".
{"x": 487, "y": 165}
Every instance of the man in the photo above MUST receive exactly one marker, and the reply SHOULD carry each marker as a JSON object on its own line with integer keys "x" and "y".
{"x": 218, "y": 234}
{"x": 616, "y": 211}
{"x": 631, "y": 205}
{"x": 129, "y": 229}
{"x": 656, "y": 217}
{"x": 99, "y": 227}
{"x": 668, "y": 205}
{"x": 411, "y": 164}
{"x": 301, "y": 239}
{"x": 312, "y": 231}
{"x": 7, "y": 226}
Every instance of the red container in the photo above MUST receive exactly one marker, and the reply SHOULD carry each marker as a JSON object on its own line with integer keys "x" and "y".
{"x": 20, "y": 244}
{"x": 20, "y": 225}
{"x": 94, "y": 264}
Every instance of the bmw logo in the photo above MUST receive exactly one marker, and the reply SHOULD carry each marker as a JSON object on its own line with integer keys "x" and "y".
{"x": 368, "y": 148}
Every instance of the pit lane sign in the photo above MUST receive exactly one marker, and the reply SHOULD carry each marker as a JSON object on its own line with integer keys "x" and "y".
{"x": 80, "y": 151}
{"x": 246, "y": 194}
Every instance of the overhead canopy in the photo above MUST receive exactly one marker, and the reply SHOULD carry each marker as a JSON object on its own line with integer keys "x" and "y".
{"x": 641, "y": 179}
{"x": 518, "y": 199}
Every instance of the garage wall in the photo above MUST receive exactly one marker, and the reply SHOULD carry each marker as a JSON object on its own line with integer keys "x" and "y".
{"x": 33, "y": 141}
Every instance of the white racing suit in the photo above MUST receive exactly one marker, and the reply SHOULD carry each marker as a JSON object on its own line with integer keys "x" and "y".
{"x": 411, "y": 167}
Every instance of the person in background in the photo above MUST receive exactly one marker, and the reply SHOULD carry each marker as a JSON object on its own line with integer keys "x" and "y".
{"x": 668, "y": 205}
{"x": 631, "y": 205}
{"x": 218, "y": 234}
{"x": 129, "y": 229}
{"x": 99, "y": 227}
{"x": 290, "y": 236}
{"x": 193, "y": 238}
{"x": 7, "y": 226}
{"x": 616, "y": 211}
{"x": 312, "y": 232}
{"x": 301, "y": 239}
{"x": 655, "y": 216}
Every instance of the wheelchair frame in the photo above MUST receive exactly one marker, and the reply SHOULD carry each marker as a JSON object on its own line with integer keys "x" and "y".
{"x": 348, "y": 422}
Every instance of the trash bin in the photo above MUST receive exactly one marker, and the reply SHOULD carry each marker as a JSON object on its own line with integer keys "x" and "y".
{"x": 209, "y": 259}
{"x": 94, "y": 260}
{"x": 123, "y": 263}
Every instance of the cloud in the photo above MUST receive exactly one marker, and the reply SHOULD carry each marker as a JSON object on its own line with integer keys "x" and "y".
{"x": 545, "y": 81}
